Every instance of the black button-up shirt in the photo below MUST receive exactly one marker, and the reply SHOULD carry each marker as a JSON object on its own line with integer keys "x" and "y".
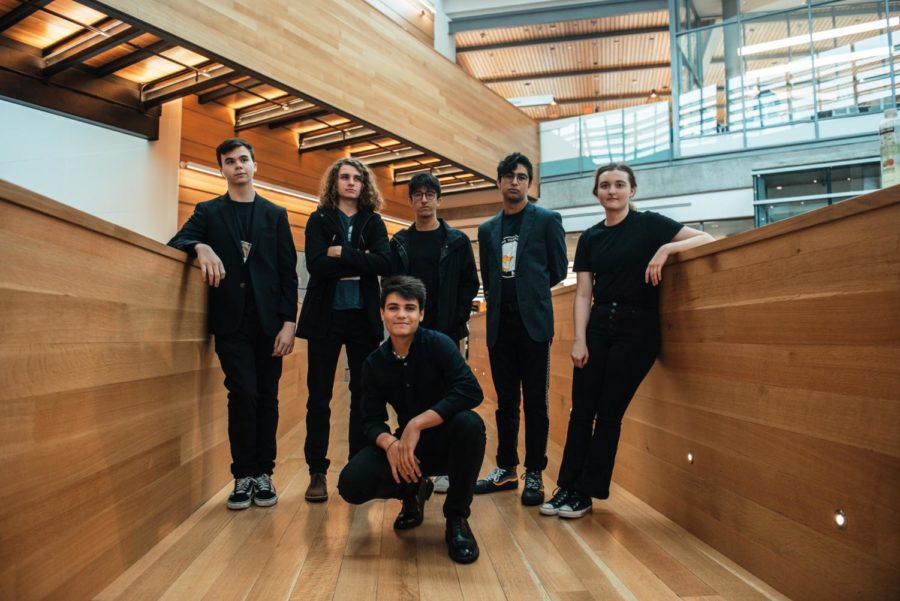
{"x": 432, "y": 376}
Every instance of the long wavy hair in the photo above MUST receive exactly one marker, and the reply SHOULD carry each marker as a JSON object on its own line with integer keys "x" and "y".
{"x": 369, "y": 196}
{"x": 623, "y": 167}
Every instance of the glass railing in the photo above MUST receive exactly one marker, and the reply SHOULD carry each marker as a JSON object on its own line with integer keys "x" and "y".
{"x": 579, "y": 144}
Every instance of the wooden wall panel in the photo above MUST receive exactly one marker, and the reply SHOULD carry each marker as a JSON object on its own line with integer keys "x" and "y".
{"x": 112, "y": 409}
{"x": 410, "y": 15}
{"x": 204, "y": 126}
{"x": 347, "y": 55}
{"x": 779, "y": 372}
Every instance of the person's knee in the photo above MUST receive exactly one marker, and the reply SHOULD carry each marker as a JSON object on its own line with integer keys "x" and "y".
{"x": 349, "y": 487}
{"x": 468, "y": 426}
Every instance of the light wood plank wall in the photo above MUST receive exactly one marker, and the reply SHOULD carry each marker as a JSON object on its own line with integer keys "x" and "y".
{"x": 113, "y": 422}
{"x": 348, "y": 55}
{"x": 779, "y": 372}
{"x": 204, "y": 126}
{"x": 411, "y": 15}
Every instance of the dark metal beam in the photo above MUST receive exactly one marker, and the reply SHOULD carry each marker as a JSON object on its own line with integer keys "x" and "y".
{"x": 610, "y": 97}
{"x": 232, "y": 87}
{"x": 133, "y": 58}
{"x": 289, "y": 120}
{"x": 21, "y": 12}
{"x": 189, "y": 84}
{"x": 579, "y": 73}
{"x": 112, "y": 103}
{"x": 563, "y": 39}
{"x": 341, "y": 143}
{"x": 577, "y": 12}
{"x": 91, "y": 47}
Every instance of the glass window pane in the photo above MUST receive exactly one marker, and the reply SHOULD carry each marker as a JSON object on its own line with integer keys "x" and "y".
{"x": 795, "y": 183}
{"x": 852, "y": 57}
{"x": 855, "y": 178}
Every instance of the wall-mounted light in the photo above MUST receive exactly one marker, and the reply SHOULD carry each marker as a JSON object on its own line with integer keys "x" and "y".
{"x": 840, "y": 518}
{"x": 653, "y": 94}
{"x": 690, "y": 457}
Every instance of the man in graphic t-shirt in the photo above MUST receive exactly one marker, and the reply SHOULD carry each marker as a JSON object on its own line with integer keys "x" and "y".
{"x": 522, "y": 251}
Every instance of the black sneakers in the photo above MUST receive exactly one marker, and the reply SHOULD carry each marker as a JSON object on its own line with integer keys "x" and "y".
{"x": 534, "y": 488}
{"x": 265, "y": 491}
{"x": 413, "y": 511}
{"x": 499, "y": 479}
{"x": 551, "y": 507}
{"x": 244, "y": 490}
{"x": 576, "y": 505}
{"x": 461, "y": 544}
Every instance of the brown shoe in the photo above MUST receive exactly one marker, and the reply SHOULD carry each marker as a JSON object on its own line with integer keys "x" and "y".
{"x": 318, "y": 488}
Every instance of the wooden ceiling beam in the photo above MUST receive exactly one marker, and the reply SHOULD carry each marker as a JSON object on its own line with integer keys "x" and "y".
{"x": 599, "y": 35}
{"x": 578, "y": 73}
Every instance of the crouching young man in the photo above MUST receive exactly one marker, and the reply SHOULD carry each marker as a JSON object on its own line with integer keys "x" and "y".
{"x": 422, "y": 376}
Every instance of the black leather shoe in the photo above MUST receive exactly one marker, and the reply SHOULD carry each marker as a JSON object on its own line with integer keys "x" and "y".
{"x": 461, "y": 544}
{"x": 413, "y": 511}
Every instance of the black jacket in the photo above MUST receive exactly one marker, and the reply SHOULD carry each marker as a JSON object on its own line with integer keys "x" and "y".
{"x": 367, "y": 256}
{"x": 457, "y": 277}
{"x": 272, "y": 263}
{"x": 541, "y": 263}
{"x": 432, "y": 376}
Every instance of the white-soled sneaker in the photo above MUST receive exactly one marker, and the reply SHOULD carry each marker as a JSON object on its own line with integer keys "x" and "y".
{"x": 551, "y": 507}
{"x": 242, "y": 496}
{"x": 265, "y": 491}
{"x": 441, "y": 484}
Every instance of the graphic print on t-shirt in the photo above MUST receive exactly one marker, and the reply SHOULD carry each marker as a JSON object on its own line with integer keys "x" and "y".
{"x": 508, "y": 247}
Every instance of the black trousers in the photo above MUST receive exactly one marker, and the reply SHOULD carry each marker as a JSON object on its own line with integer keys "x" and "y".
{"x": 520, "y": 363}
{"x": 251, "y": 377}
{"x": 455, "y": 448}
{"x": 622, "y": 345}
{"x": 351, "y": 329}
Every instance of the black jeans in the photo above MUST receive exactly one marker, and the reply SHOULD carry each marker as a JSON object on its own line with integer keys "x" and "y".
{"x": 518, "y": 362}
{"x": 622, "y": 345}
{"x": 455, "y": 448}
{"x": 351, "y": 329}
{"x": 251, "y": 377}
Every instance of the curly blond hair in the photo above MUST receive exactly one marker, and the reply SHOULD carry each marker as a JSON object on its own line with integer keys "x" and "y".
{"x": 369, "y": 197}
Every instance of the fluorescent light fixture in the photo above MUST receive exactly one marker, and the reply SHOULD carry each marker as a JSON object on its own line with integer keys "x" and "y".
{"x": 818, "y": 36}
{"x": 276, "y": 188}
{"x": 521, "y": 101}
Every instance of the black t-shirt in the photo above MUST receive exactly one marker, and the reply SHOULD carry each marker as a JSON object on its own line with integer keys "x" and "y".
{"x": 509, "y": 245}
{"x": 346, "y": 293}
{"x": 243, "y": 216}
{"x": 618, "y": 257}
{"x": 424, "y": 258}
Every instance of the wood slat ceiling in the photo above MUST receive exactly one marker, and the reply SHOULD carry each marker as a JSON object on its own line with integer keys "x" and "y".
{"x": 608, "y": 65}
{"x": 149, "y": 70}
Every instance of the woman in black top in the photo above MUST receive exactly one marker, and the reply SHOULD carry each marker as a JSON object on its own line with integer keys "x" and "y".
{"x": 346, "y": 250}
{"x": 619, "y": 262}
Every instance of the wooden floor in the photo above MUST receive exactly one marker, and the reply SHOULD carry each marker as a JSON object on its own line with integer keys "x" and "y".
{"x": 308, "y": 552}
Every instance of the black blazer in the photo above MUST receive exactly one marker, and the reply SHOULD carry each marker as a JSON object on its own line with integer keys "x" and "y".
{"x": 272, "y": 263}
{"x": 367, "y": 256}
{"x": 457, "y": 277}
{"x": 541, "y": 263}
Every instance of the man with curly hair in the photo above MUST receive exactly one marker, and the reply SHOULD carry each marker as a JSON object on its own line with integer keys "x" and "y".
{"x": 346, "y": 250}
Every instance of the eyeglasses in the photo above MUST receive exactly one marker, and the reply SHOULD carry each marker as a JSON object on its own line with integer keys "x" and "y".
{"x": 519, "y": 177}
{"x": 421, "y": 195}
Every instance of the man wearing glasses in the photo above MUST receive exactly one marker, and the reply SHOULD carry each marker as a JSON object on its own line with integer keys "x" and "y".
{"x": 442, "y": 257}
{"x": 522, "y": 251}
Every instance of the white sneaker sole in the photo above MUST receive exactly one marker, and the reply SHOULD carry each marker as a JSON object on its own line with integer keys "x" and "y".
{"x": 263, "y": 503}
{"x": 240, "y": 504}
{"x": 571, "y": 514}
{"x": 549, "y": 510}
